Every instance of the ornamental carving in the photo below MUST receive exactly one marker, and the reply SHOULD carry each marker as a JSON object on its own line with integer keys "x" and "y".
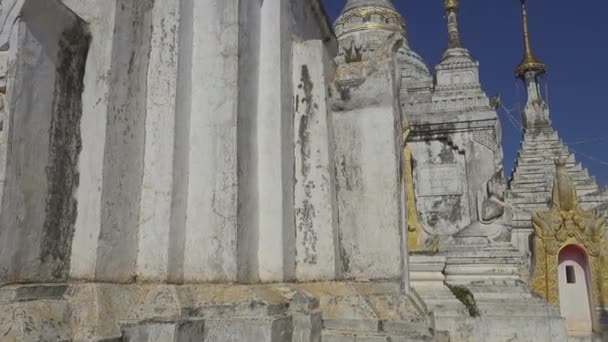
{"x": 365, "y": 13}
{"x": 369, "y": 18}
{"x": 9, "y": 11}
{"x": 487, "y": 138}
{"x": 566, "y": 223}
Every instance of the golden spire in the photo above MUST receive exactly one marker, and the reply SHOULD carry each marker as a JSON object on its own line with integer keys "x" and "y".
{"x": 529, "y": 63}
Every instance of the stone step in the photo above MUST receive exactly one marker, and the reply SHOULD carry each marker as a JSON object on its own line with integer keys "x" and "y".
{"x": 390, "y": 331}
{"x": 544, "y": 136}
{"x": 579, "y": 175}
{"x": 583, "y": 188}
{"x": 543, "y": 144}
{"x": 552, "y": 153}
{"x": 498, "y": 249}
{"x": 544, "y": 159}
{"x": 543, "y": 167}
{"x": 501, "y": 290}
{"x": 532, "y": 207}
{"x": 345, "y": 336}
{"x": 585, "y": 337}
{"x": 514, "y": 307}
{"x": 549, "y": 148}
{"x": 159, "y": 332}
{"x": 551, "y": 145}
{"x": 540, "y": 200}
{"x": 547, "y": 172}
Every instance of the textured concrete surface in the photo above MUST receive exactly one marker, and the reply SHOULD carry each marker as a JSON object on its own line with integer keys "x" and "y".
{"x": 366, "y": 124}
{"x": 277, "y": 313}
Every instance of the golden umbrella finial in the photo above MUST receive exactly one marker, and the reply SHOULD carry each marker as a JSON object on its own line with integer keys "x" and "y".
{"x": 529, "y": 63}
{"x": 451, "y": 5}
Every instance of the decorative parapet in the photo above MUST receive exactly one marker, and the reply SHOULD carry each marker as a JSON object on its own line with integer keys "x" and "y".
{"x": 448, "y": 104}
{"x": 369, "y": 18}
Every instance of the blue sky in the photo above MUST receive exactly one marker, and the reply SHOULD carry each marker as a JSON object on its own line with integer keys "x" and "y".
{"x": 569, "y": 36}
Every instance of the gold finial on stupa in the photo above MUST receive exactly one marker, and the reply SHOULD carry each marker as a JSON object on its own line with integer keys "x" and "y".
{"x": 451, "y": 5}
{"x": 529, "y": 63}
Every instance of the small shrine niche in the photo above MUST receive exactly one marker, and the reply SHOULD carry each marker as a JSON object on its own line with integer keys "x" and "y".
{"x": 570, "y": 256}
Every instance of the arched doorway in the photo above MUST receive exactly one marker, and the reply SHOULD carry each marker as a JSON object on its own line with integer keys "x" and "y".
{"x": 575, "y": 289}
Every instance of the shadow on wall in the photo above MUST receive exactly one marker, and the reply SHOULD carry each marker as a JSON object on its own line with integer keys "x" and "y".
{"x": 45, "y": 101}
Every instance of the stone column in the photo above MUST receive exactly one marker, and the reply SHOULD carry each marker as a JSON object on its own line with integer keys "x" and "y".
{"x": 367, "y": 127}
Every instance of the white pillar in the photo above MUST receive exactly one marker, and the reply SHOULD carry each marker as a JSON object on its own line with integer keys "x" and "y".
{"x": 95, "y": 102}
{"x": 275, "y": 145}
{"x": 157, "y": 185}
{"x": 315, "y": 196}
{"x": 123, "y": 165}
{"x": 210, "y": 243}
{"x": 367, "y": 126}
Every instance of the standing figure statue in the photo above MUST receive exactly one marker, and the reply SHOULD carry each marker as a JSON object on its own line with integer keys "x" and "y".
{"x": 493, "y": 215}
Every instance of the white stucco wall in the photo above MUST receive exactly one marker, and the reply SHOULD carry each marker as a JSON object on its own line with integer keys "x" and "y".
{"x": 157, "y": 184}
{"x": 316, "y": 220}
{"x": 95, "y": 101}
{"x": 366, "y": 119}
{"x": 186, "y": 167}
{"x": 44, "y": 96}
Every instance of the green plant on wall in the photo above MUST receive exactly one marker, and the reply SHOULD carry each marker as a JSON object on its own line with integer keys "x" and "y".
{"x": 467, "y": 298}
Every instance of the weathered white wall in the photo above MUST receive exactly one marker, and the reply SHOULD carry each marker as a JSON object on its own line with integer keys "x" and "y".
{"x": 249, "y": 45}
{"x": 316, "y": 220}
{"x": 26, "y": 184}
{"x": 95, "y": 102}
{"x": 455, "y": 154}
{"x": 440, "y": 175}
{"x": 275, "y": 139}
{"x": 5, "y": 57}
{"x": 186, "y": 170}
{"x": 157, "y": 184}
{"x": 233, "y": 215}
{"x": 211, "y": 206}
{"x": 366, "y": 118}
{"x": 124, "y": 144}
{"x": 44, "y": 97}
